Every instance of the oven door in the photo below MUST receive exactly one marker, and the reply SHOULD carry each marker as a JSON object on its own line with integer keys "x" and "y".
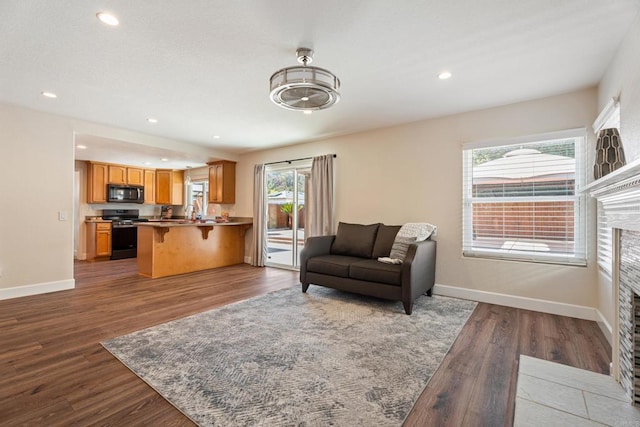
{"x": 124, "y": 241}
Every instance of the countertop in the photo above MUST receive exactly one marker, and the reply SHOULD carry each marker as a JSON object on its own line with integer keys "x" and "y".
{"x": 189, "y": 223}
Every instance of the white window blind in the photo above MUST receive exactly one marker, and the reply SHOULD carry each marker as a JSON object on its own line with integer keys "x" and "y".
{"x": 605, "y": 243}
{"x": 520, "y": 200}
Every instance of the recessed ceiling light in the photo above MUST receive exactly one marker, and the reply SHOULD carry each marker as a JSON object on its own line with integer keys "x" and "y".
{"x": 164, "y": 159}
{"x": 147, "y": 163}
{"x": 152, "y": 120}
{"x": 82, "y": 147}
{"x": 307, "y": 111}
{"x": 216, "y": 136}
{"x": 48, "y": 94}
{"x": 444, "y": 75}
{"x": 107, "y": 18}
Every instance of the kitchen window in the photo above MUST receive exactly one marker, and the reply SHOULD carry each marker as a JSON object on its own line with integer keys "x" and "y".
{"x": 521, "y": 199}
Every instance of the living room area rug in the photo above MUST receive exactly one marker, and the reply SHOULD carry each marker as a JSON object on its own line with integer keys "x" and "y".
{"x": 290, "y": 358}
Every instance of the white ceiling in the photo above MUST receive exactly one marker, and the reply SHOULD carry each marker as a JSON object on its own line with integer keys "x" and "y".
{"x": 202, "y": 67}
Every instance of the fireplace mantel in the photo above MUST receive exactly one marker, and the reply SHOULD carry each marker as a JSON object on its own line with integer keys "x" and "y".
{"x": 619, "y": 193}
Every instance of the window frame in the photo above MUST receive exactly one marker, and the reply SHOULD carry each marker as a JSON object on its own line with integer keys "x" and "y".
{"x": 579, "y": 255}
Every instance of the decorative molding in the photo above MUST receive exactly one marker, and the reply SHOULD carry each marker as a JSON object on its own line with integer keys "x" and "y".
{"x": 533, "y": 304}
{"x": 36, "y": 289}
{"x": 619, "y": 193}
{"x": 609, "y": 110}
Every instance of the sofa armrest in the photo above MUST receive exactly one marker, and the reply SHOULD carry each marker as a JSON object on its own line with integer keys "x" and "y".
{"x": 313, "y": 246}
{"x": 419, "y": 269}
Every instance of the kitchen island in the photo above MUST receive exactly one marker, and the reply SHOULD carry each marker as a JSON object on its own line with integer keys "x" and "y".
{"x": 167, "y": 248}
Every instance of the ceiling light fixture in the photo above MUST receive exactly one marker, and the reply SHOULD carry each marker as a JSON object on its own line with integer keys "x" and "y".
{"x": 152, "y": 120}
{"x": 108, "y": 19}
{"x": 81, "y": 147}
{"x": 216, "y": 136}
{"x": 304, "y": 88}
{"x": 164, "y": 159}
{"x": 444, "y": 75}
{"x": 48, "y": 94}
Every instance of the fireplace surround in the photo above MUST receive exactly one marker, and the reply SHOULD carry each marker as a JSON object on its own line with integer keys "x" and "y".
{"x": 619, "y": 193}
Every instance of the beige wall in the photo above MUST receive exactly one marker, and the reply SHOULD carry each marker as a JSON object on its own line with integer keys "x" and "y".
{"x": 414, "y": 173}
{"x": 622, "y": 79}
{"x": 37, "y": 183}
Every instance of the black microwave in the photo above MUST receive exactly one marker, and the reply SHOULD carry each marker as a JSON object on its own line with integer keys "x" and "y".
{"x": 117, "y": 193}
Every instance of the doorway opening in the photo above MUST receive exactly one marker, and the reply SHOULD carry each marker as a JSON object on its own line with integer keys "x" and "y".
{"x": 285, "y": 190}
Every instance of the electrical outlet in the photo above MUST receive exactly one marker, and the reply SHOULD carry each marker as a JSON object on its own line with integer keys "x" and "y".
{"x": 63, "y": 216}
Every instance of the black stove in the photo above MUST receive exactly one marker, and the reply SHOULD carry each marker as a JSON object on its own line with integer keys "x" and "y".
{"x": 124, "y": 234}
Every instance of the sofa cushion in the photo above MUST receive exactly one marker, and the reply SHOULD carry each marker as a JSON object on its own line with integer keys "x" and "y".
{"x": 384, "y": 240}
{"x": 333, "y": 265}
{"x": 372, "y": 270}
{"x": 354, "y": 240}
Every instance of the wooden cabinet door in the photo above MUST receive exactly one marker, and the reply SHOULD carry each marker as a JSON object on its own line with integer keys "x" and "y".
{"x": 117, "y": 174}
{"x": 222, "y": 182}
{"x": 215, "y": 183}
{"x": 135, "y": 176}
{"x": 103, "y": 241}
{"x": 163, "y": 186}
{"x": 97, "y": 175}
{"x": 177, "y": 187}
{"x": 149, "y": 186}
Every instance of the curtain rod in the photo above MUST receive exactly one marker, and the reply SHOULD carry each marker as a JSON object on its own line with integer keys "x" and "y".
{"x": 295, "y": 160}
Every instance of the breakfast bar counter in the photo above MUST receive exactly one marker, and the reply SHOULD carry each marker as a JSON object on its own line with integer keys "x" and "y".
{"x": 167, "y": 248}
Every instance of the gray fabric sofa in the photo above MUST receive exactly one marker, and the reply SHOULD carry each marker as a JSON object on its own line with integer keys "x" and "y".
{"x": 348, "y": 261}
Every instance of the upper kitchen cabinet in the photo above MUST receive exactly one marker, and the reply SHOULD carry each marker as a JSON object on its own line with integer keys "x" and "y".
{"x": 222, "y": 182}
{"x": 135, "y": 176}
{"x": 117, "y": 174}
{"x": 169, "y": 187}
{"x": 125, "y": 175}
{"x": 149, "y": 186}
{"x": 97, "y": 179}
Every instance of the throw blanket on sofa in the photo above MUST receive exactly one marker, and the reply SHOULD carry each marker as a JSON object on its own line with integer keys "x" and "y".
{"x": 409, "y": 233}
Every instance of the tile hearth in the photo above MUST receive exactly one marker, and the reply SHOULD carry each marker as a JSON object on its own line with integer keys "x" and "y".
{"x": 552, "y": 394}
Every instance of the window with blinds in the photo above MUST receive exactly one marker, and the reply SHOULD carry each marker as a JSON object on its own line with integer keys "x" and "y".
{"x": 605, "y": 243}
{"x": 520, "y": 200}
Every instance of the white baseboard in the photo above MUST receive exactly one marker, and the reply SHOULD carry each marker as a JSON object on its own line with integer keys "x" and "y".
{"x": 38, "y": 288}
{"x": 544, "y": 306}
{"x": 605, "y": 327}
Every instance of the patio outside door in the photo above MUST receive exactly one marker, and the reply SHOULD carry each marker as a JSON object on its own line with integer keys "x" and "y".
{"x": 285, "y": 211}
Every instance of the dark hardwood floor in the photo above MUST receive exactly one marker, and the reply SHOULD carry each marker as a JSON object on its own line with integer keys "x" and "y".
{"x": 53, "y": 370}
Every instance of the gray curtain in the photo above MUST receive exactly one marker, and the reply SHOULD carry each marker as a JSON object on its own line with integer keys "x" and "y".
{"x": 259, "y": 248}
{"x": 321, "y": 206}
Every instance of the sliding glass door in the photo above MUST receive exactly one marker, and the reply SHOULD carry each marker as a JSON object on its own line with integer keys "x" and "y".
{"x": 286, "y": 213}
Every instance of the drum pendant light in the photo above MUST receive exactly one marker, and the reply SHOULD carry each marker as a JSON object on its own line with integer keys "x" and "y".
{"x": 304, "y": 88}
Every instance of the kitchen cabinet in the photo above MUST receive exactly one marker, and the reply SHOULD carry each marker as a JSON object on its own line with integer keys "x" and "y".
{"x": 125, "y": 175}
{"x": 97, "y": 178}
{"x": 149, "y": 186}
{"x": 135, "y": 176}
{"x": 222, "y": 182}
{"x": 117, "y": 174}
{"x": 169, "y": 187}
{"x": 98, "y": 240}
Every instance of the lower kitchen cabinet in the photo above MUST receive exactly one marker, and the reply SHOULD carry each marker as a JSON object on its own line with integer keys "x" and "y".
{"x": 98, "y": 239}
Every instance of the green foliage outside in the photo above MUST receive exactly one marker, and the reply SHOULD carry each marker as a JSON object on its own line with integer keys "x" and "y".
{"x": 283, "y": 181}
{"x": 288, "y": 208}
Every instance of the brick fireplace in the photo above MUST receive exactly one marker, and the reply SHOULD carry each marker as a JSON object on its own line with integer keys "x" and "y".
{"x": 619, "y": 193}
